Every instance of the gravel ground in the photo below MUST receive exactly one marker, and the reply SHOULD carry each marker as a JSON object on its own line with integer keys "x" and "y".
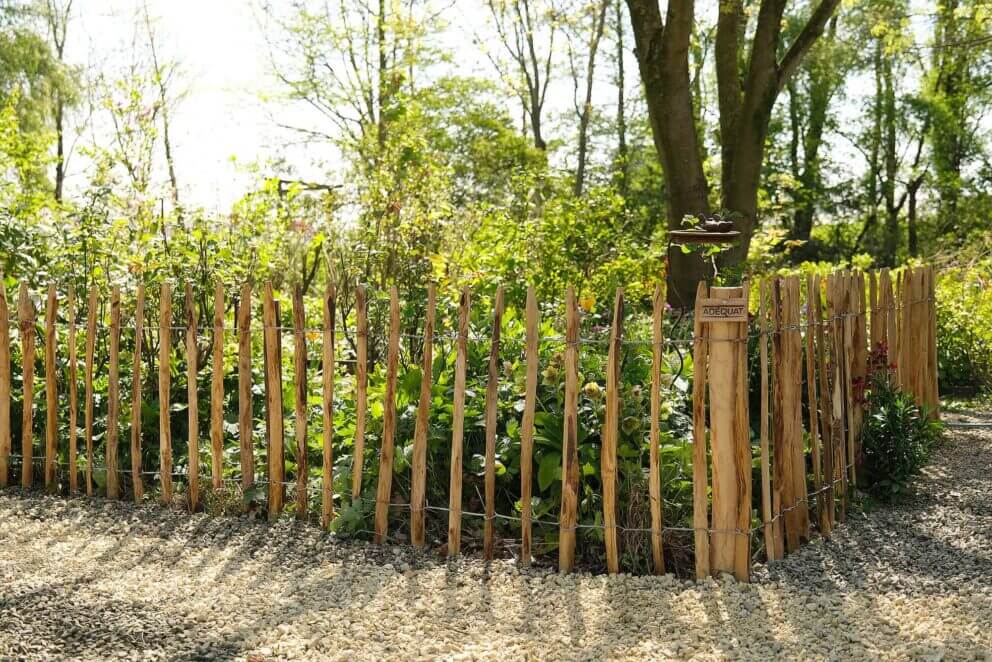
{"x": 91, "y": 579}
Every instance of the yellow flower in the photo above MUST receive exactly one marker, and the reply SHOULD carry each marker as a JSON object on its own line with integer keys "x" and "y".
{"x": 592, "y": 391}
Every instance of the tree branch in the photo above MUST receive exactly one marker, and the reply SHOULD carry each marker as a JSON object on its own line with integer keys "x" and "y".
{"x": 807, "y": 37}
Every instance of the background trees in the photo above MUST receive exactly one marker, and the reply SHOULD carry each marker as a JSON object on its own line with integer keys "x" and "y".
{"x": 540, "y": 143}
{"x": 543, "y": 140}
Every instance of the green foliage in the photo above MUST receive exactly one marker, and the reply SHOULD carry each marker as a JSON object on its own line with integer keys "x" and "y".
{"x": 964, "y": 347}
{"x": 592, "y": 242}
{"x": 896, "y": 436}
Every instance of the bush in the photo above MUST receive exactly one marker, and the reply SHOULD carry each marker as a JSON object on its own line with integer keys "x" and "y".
{"x": 964, "y": 349}
{"x": 897, "y": 434}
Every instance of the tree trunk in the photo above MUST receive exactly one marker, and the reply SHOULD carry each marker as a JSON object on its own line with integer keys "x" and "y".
{"x": 664, "y": 65}
{"x": 622, "y": 167}
{"x": 914, "y": 248}
{"x": 163, "y": 99}
{"x": 59, "y": 147}
{"x": 745, "y": 112}
{"x": 380, "y": 31}
{"x": 821, "y": 88}
{"x": 599, "y": 23}
{"x": 57, "y": 16}
{"x": 745, "y": 102}
{"x": 890, "y": 244}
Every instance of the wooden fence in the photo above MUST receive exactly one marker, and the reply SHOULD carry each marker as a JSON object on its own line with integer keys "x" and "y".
{"x": 849, "y": 316}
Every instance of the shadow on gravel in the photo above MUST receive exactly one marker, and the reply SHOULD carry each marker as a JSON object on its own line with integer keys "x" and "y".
{"x": 938, "y": 541}
{"x": 101, "y": 629}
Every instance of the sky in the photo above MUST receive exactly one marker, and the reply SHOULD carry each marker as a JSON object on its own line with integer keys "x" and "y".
{"x": 224, "y": 62}
{"x": 229, "y": 106}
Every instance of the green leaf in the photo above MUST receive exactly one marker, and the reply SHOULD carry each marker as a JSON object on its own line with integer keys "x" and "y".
{"x": 549, "y": 470}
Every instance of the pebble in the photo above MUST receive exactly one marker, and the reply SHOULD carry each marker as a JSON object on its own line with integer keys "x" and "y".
{"x": 90, "y": 579}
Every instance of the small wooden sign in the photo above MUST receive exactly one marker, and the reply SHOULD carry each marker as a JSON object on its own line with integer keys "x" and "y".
{"x": 723, "y": 310}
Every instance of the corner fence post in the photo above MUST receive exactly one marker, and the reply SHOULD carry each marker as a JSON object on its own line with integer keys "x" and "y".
{"x": 700, "y": 484}
{"x": 724, "y": 316}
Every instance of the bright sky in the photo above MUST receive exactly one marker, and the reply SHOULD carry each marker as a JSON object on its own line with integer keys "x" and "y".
{"x": 222, "y": 54}
{"x": 226, "y": 73}
{"x": 225, "y": 70}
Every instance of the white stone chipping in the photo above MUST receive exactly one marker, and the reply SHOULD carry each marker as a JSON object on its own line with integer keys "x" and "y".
{"x": 91, "y": 579}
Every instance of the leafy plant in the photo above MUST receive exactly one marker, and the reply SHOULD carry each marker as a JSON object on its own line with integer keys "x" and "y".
{"x": 897, "y": 434}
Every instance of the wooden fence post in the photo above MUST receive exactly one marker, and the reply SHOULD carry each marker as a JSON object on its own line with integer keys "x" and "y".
{"x": 850, "y": 310}
{"x": 568, "y": 517}
{"x": 300, "y": 422}
{"x": 610, "y": 434}
{"x": 728, "y": 408}
{"x": 742, "y": 540}
{"x": 910, "y": 337}
{"x": 361, "y": 389}
{"x": 769, "y": 526}
{"x": 860, "y": 359}
{"x": 51, "y": 392}
{"x": 88, "y": 405}
{"x": 5, "y": 436}
{"x": 246, "y": 424}
{"x": 25, "y": 319}
{"x": 192, "y": 399}
{"x": 527, "y": 426}
{"x": 418, "y": 489}
{"x": 492, "y": 395}
{"x": 825, "y": 499}
{"x": 700, "y": 483}
{"x": 137, "y": 485}
{"x": 164, "y": 391}
{"x": 73, "y": 392}
{"x": 812, "y": 300}
{"x": 457, "y": 429}
{"x": 790, "y": 469}
{"x": 217, "y": 393}
{"x": 890, "y": 315}
{"x": 919, "y": 354}
{"x": 836, "y": 311}
{"x": 113, "y": 394}
{"x": 273, "y": 402}
{"x": 798, "y": 446}
{"x": 875, "y": 323}
{"x": 932, "y": 344}
{"x": 654, "y": 438}
{"x": 908, "y": 366}
{"x": 905, "y": 330}
{"x": 328, "y": 372}
{"x": 384, "y": 489}
{"x": 923, "y": 343}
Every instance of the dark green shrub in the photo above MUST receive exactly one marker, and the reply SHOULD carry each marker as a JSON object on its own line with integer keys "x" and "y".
{"x": 897, "y": 434}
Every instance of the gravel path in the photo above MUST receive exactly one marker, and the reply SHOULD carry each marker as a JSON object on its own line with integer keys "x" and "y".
{"x": 91, "y": 579}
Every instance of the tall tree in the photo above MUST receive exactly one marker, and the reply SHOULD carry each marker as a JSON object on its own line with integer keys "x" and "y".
{"x": 33, "y": 77}
{"x": 810, "y": 93}
{"x": 593, "y": 27}
{"x": 57, "y": 16}
{"x": 748, "y": 83}
{"x": 164, "y": 74}
{"x": 527, "y": 30}
{"x": 959, "y": 79}
{"x": 622, "y": 166}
